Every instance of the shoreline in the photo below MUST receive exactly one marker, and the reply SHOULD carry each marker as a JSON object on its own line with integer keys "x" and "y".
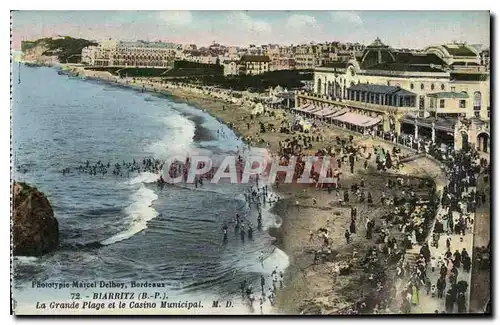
{"x": 294, "y": 230}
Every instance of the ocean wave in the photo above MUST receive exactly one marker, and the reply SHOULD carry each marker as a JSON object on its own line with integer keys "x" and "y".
{"x": 178, "y": 139}
{"x": 25, "y": 259}
{"x": 139, "y": 213}
{"x": 272, "y": 260}
{"x": 144, "y": 177}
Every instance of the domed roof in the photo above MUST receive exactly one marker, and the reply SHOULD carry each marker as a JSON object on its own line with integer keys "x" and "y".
{"x": 377, "y": 43}
{"x": 377, "y": 53}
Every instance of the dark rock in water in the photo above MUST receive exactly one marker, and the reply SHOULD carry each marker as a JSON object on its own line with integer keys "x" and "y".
{"x": 35, "y": 229}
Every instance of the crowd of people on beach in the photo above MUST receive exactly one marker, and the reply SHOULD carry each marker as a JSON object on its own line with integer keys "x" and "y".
{"x": 256, "y": 197}
{"x": 265, "y": 294}
{"x": 410, "y": 224}
{"x": 436, "y": 269}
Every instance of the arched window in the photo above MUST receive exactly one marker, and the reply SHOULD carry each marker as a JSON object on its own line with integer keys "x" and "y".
{"x": 422, "y": 86}
{"x": 412, "y": 86}
{"x": 432, "y": 86}
{"x": 477, "y": 100}
{"x": 442, "y": 86}
{"x": 352, "y": 83}
{"x": 318, "y": 86}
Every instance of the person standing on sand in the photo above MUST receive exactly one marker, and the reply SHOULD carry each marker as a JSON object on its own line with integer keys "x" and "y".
{"x": 352, "y": 227}
{"x": 243, "y": 287}
{"x": 347, "y": 236}
{"x": 441, "y": 286}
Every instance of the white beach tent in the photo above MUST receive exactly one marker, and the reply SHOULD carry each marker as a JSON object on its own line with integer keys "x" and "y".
{"x": 258, "y": 109}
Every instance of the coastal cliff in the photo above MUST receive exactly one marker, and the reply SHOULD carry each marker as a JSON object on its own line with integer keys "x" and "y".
{"x": 54, "y": 50}
{"x": 35, "y": 230}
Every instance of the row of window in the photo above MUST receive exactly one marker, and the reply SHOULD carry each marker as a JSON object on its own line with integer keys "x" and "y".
{"x": 422, "y": 87}
{"x": 139, "y": 57}
{"x": 462, "y": 103}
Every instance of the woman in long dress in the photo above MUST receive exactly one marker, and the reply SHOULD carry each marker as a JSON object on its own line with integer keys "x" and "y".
{"x": 415, "y": 297}
{"x": 414, "y": 236}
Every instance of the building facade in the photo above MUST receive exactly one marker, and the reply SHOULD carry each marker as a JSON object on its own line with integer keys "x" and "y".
{"x": 200, "y": 57}
{"x": 306, "y": 56}
{"x": 89, "y": 55}
{"x": 130, "y": 54}
{"x": 283, "y": 63}
{"x": 422, "y": 93}
{"x": 254, "y": 64}
{"x": 231, "y": 67}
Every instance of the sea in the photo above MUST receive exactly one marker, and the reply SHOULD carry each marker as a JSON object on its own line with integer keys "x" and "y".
{"x": 119, "y": 229}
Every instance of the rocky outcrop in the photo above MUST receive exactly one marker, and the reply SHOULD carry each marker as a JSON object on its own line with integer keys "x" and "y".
{"x": 35, "y": 230}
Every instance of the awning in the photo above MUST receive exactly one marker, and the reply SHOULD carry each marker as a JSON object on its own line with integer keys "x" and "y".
{"x": 357, "y": 119}
{"x": 372, "y": 122}
{"x": 325, "y": 111}
{"x": 310, "y": 108}
{"x": 337, "y": 113}
{"x": 301, "y": 108}
{"x": 315, "y": 110}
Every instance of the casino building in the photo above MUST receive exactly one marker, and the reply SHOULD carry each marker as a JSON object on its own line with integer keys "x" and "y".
{"x": 440, "y": 94}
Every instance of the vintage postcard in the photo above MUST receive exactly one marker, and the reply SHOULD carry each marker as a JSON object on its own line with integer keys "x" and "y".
{"x": 250, "y": 162}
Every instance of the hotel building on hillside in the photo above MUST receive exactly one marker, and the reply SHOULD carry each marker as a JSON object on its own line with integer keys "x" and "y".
{"x": 125, "y": 54}
{"x": 231, "y": 67}
{"x": 200, "y": 57}
{"x": 306, "y": 56}
{"x": 283, "y": 63}
{"x": 254, "y": 64}
{"x": 441, "y": 94}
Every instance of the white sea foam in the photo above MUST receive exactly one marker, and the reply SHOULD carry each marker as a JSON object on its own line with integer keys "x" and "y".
{"x": 178, "y": 138}
{"x": 177, "y": 141}
{"x": 144, "y": 177}
{"x": 25, "y": 259}
{"x": 139, "y": 213}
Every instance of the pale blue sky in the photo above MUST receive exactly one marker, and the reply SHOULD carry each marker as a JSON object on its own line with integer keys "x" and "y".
{"x": 414, "y": 29}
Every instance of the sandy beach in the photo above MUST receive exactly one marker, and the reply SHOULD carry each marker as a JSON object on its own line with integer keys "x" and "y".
{"x": 317, "y": 289}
